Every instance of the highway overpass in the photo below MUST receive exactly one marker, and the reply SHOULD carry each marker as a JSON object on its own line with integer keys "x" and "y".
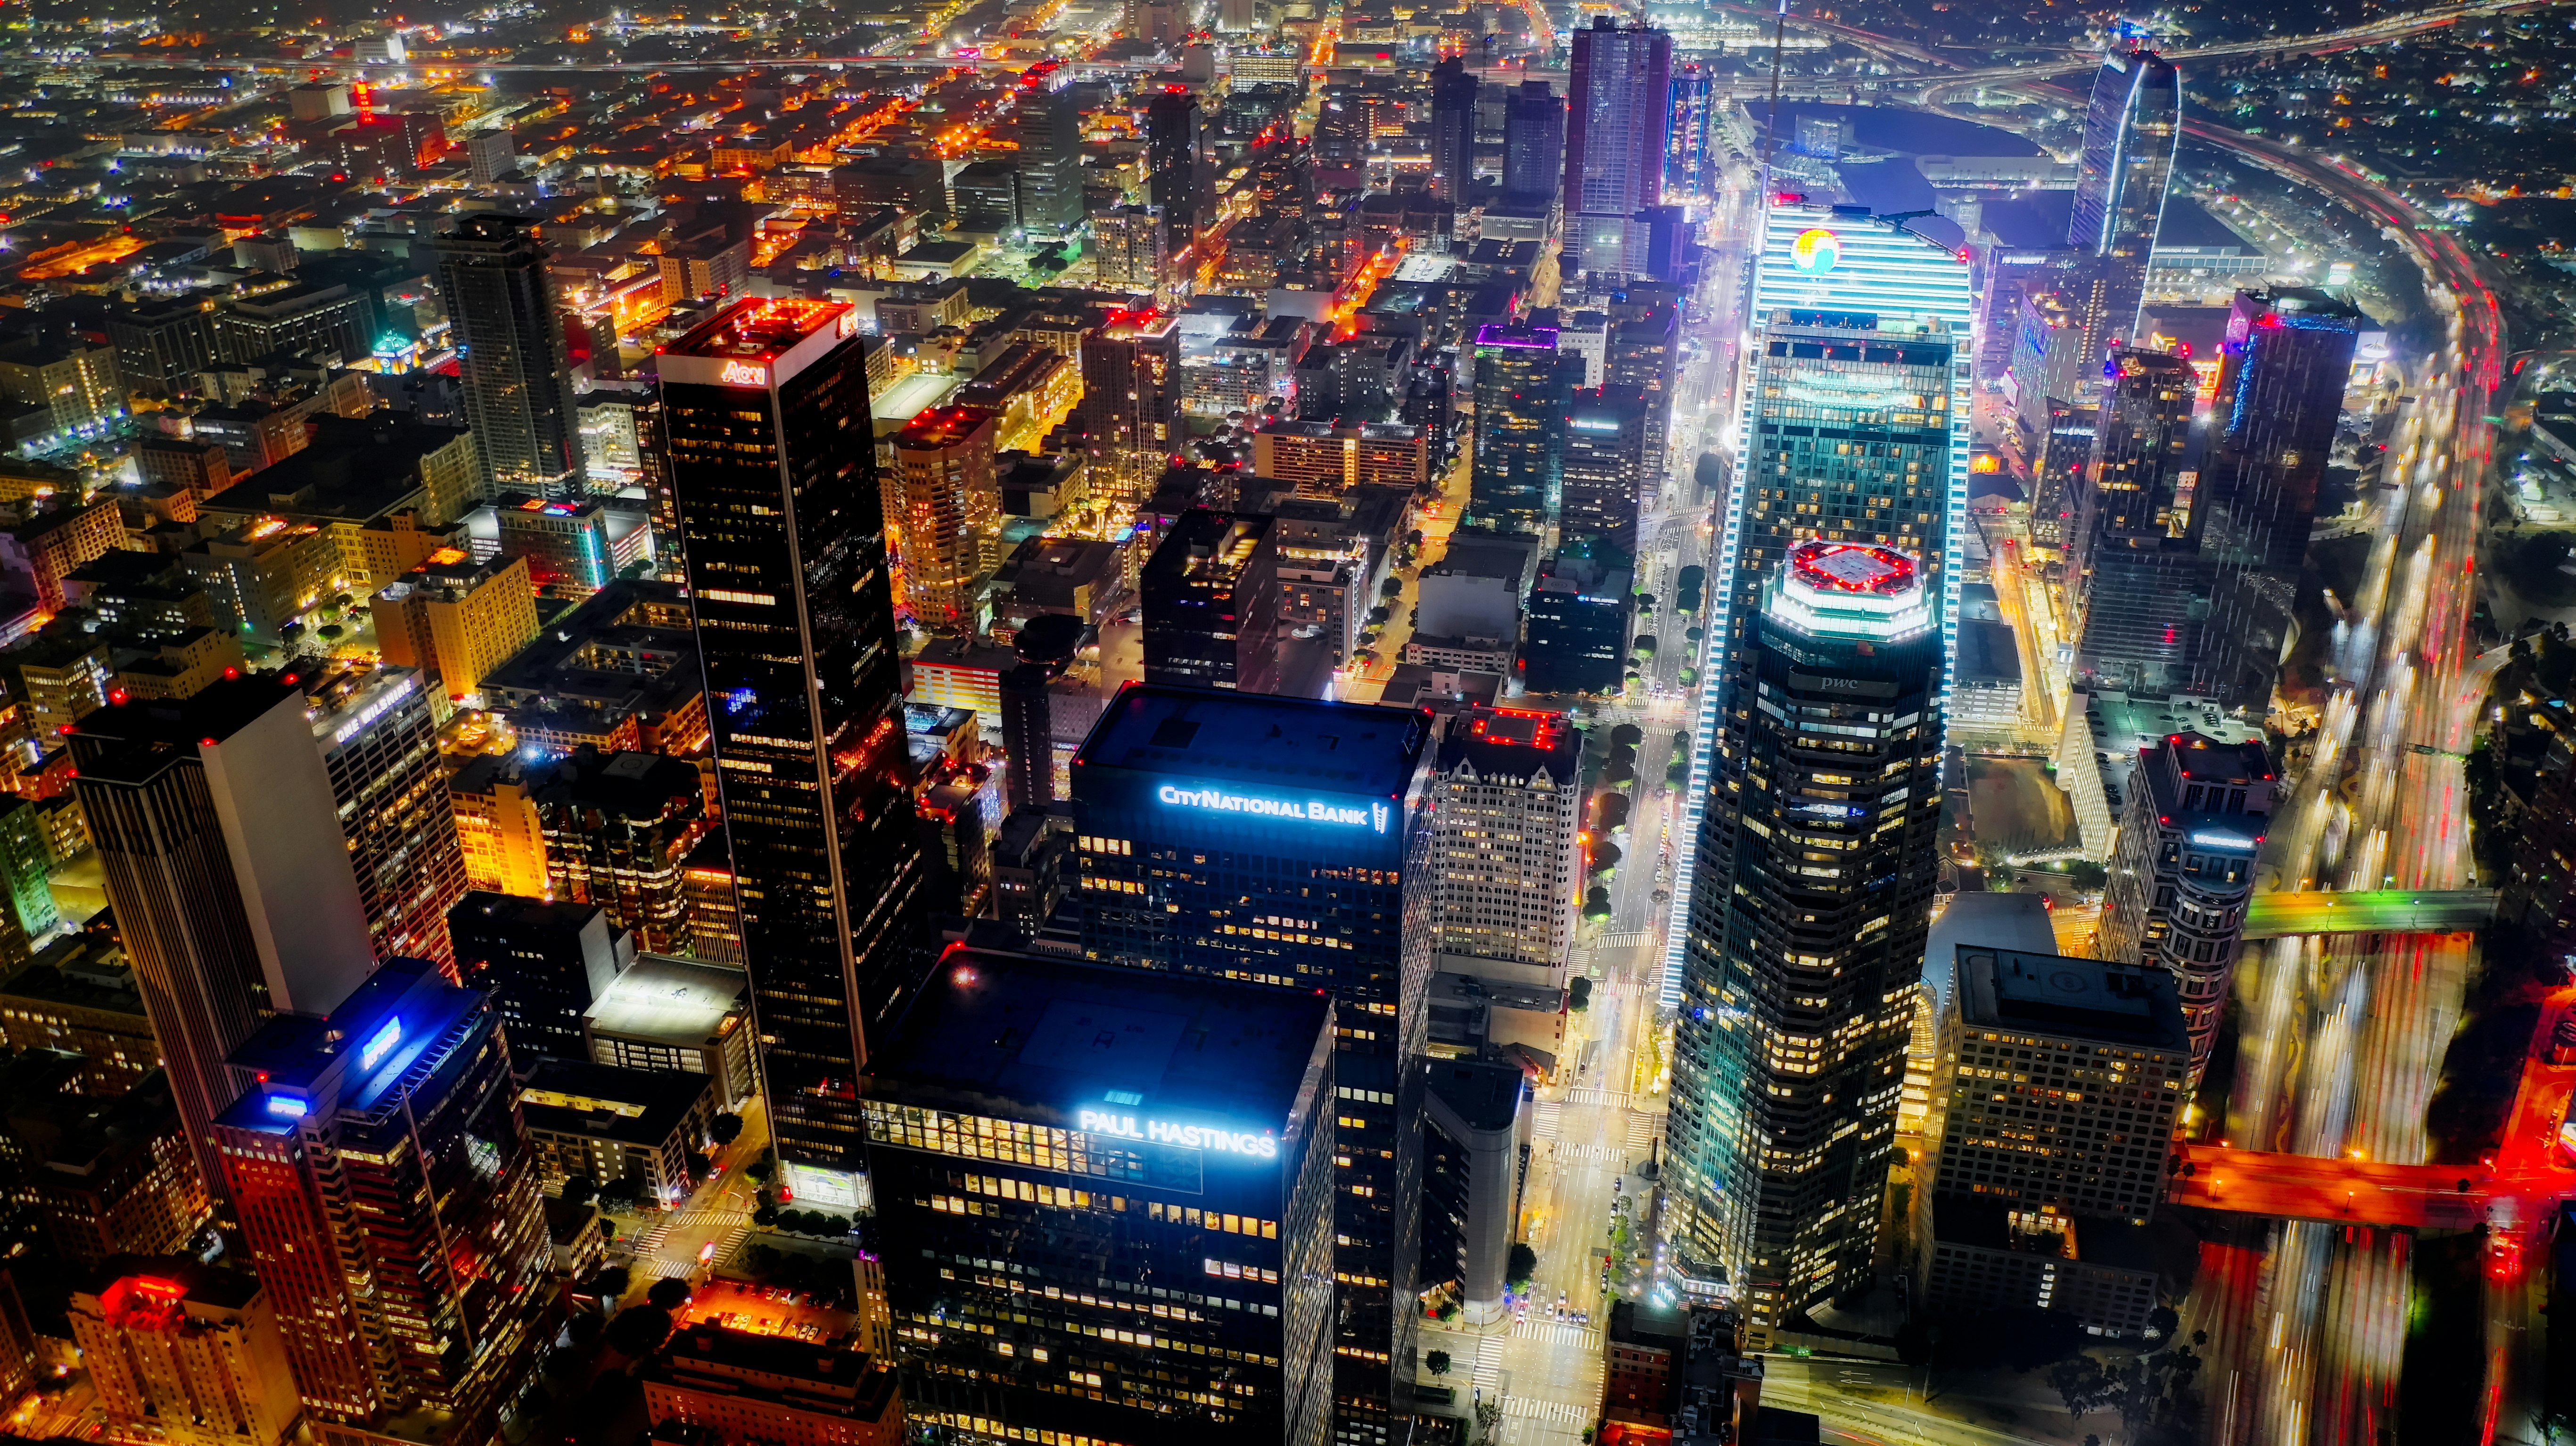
{"x": 2377, "y": 911}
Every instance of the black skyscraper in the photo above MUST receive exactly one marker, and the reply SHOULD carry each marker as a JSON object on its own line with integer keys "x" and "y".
{"x": 510, "y": 349}
{"x": 1211, "y": 602}
{"x": 788, "y": 577}
{"x": 1175, "y": 162}
{"x": 2281, "y": 377}
{"x": 1533, "y": 143}
{"x": 1453, "y": 130}
{"x": 2132, "y": 582}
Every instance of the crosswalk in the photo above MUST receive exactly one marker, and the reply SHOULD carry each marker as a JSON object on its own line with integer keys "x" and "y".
{"x": 1594, "y": 1153}
{"x": 1563, "y": 1413}
{"x": 1628, "y": 939}
{"x": 1543, "y": 1119}
{"x": 1643, "y": 1128}
{"x": 1582, "y": 1338}
{"x": 1489, "y": 1363}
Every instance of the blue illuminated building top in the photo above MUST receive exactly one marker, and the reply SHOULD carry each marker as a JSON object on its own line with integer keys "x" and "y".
{"x": 350, "y": 1060}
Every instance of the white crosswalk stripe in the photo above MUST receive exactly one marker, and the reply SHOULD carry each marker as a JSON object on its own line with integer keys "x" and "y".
{"x": 1543, "y": 1120}
{"x": 1643, "y": 1128}
{"x": 1562, "y": 1412}
{"x": 1489, "y": 1363}
{"x": 1559, "y": 1333}
{"x": 1596, "y": 1153}
{"x": 1627, "y": 940}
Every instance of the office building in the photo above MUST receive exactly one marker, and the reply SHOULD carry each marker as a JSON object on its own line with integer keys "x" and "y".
{"x": 1272, "y": 839}
{"x": 1507, "y": 804}
{"x": 1521, "y": 386}
{"x": 1325, "y": 460}
{"x": 1032, "y": 869}
{"x": 1797, "y": 998}
{"x": 1470, "y": 601}
{"x": 1580, "y": 615}
{"x": 1131, "y": 402}
{"x": 542, "y": 963}
{"x": 1689, "y": 168}
{"x": 1210, "y": 595}
{"x": 1476, "y": 1131}
{"x": 80, "y": 995}
{"x": 97, "y": 1174}
{"x": 796, "y": 635}
{"x": 1176, "y": 163}
{"x": 1533, "y": 144}
{"x": 1131, "y": 251}
{"x": 1618, "y": 127}
{"x": 2130, "y": 567}
{"x": 1453, "y": 130}
{"x": 1046, "y": 126}
{"x": 616, "y": 1126}
{"x": 497, "y": 826}
{"x": 619, "y": 828}
{"x": 387, "y": 1194}
{"x": 2183, "y": 870}
{"x": 573, "y": 547}
{"x": 682, "y": 1015}
{"x": 713, "y": 1386}
{"x": 456, "y": 619}
{"x": 1817, "y": 260}
{"x": 184, "y": 1354}
{"x": 26, "y": 865}
{"x": 379, "y": 745}
{"x": 944, "y": 512}
{"x": 217, "y": 827}
{"x": 509, "y": 338}
{"x": 1181, "y": 1126}
{"x": 2281, "y": 376}
{"x": 2131, "y": 129}
{"x": 1603, "y": 474}
{"x": 1645, "y": 1347}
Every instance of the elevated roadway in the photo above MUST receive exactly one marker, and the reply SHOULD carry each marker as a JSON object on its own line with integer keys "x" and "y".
{"x": 2374, "y": 911}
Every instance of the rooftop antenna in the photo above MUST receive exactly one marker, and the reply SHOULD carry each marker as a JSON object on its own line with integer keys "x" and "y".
{"x": 1771, "y": 124}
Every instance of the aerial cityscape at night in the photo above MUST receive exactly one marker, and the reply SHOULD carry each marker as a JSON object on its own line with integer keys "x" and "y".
{"x": 1404, "y": 722}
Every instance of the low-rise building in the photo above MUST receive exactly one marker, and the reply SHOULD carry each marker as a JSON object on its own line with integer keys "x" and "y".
{"x": 717, "y": 1387}
{"x": 683, "y": 1015}
{"x": 104, "y": 1175}
{"x": 606, "y": 1124}
{"x": 457, "y": 618}
{"x": 79, "y": 995}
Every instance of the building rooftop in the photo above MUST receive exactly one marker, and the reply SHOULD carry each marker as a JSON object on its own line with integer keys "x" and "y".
{"x": 1254, "y": 738}
{"x": 142, "y": 1289}
{"x": 659, "y": 997}
{"x": 1484, "y": 1093}
{"x": 830, "y": 1378}
{"x": 643, "y": 1107}
{"x": 1514, "y": 743}
{"x": 763, "y": 329}
{"x": 1475, "y": 552}
{"x": 1208, "y": 546}
{"x": 2067, "y": 998}
{"x": 369, "y": 1043}
{"x": 1057, "y": 1040}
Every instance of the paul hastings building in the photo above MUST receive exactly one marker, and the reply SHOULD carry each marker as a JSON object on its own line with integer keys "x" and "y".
{"x": 1271, "y": 839}
{"x": 1107, "y": 1201}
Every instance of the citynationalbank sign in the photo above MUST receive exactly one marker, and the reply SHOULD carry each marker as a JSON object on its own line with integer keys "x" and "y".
{"x": 1313, "y": 810}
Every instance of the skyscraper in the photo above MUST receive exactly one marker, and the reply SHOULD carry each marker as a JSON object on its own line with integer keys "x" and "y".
{"x": 1618, "y": 129}
{"x": 787, "y": 580}
{"x": 1453, "y": 130}
{"x": 1274, "y": 839}
{"x": 2198, "y": 811}
{"x": 944, "y": 508}
{"x": 1176, "y": 163}
{"x": 1603, "y": 472}
{"x": 2281, "y": 376}
{"x": 1210, "y": 595}
{"x": 1183, "y": 1127}
{"x": 216, "y": 825}
{"x": 1686, "y": 157}
{"x": 1806, "y": 936}
{"x": 509, "y": 342}
{"x": 1521, "y": 385}
{"x": 388, "y": 1195}
{"x": 1832, "y": 259}
{"x": 2130, "y": 132}
{"x": 1131, "y": 401}
{"x": 2134, "y": 586}
{"x": 619, "y": 829}
{"x": 380, "y": 746}
{"x": 184, "y": 1353}
{"x": 1046, "y": 126}
{"x": 1131, "y": 250}
{"x": 1533, "y": 143}
{"x": 1506, "y": 806}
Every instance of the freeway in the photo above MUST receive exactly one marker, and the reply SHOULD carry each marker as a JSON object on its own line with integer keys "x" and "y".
{"x": 2343, "y": 1191}
{"x": 2368, "y": 911}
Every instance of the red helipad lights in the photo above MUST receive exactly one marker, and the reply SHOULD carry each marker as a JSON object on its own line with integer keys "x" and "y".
{"x": 1854, "y": 567}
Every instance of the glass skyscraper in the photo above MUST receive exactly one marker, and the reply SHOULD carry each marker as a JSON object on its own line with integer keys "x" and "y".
{"x": 1817, "y": 259}
{"x": 2130, "y": 132}
{"x": 510, "y": 349}
{"x": 766, "y": 409}
{"x": 1618, "y": 127}
{"x": 2133, "y": 585}
{"x": 1521, "y": 385}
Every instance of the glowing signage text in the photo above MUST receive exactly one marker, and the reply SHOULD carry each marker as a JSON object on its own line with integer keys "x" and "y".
{"x": 1260, "y": 1145}
{"x": 1313, "y": 810}
{"x": 380, "y": 1044}
{"x": 745, "y": 374}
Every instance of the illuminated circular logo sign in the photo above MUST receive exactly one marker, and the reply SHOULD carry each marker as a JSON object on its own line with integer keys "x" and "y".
{"x": 1853, "y": 567}
{"x": 1816, "y": 251}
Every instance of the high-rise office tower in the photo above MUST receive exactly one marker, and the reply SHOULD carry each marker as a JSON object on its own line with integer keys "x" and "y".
{"x": 1642, "y": 353}
{"x": 2281, "y": 376}
{"x": 1453, "y": 130}
{"x": 1046, "y": 126}
{"x": 1210, "y": 595}
{"x": 379, "y": 744}
{"x": 2184, "y": 869}
{"x": 1694, "y": 130}
{"x": 1180, "y": 1127}
{"x": 1818, "y": 259}
{"x": 1603, "y": 472}
{"x": 619, "y": 829}
{"x": 1507, "y": 802}
{"x": 509, "y": 341}
{"x": 944, "y": 509}
{"x": 388, "y": 1195}
{"x": 1533, "y": 143}
{"x": 1806, "y": 935}
{"x": 1198, "y": 857}
{"x": 1028, "y": 738}
{"x": 216, "y": 825}
{"x": 1131, "y": 401}
{"x": 1131, "y": 250}
{"x": 1521, "y": 386}
{"x": 2133, "y": 583}
{"x": 1176, "y": 163}
{"x": 1618, "y": 128}
{"x": 2130, "y": 132}
{"x": 787, "y": 579}
{"x": 543, "y": 962}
